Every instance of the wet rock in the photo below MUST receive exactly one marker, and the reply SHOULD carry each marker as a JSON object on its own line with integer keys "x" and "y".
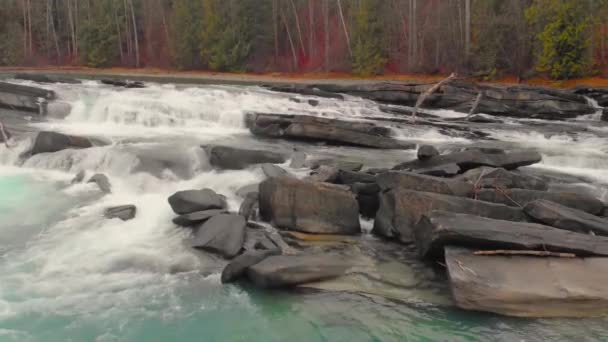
{"x": 401, "y": 209}
{"x": 528, "y": 286}
{"x": 274, "y": 171}
{"x": 481, "y": 118}
{"x": 231, "y": 158}
{"x": 413, "y": 181}
{"x": 306, "y": 90}
{"x": 223, "y": 234}
{"x": 471, "y": 159}
{"x": 25, "y": 98}
{"x": 446, "y": 170}
{"x": 486, "y": 177}
{"x": 239, "y": 266}
{"x": 367, "y": 197}
{"x": 427, "y": 151}
{"x": 309, "y": 207}
{"x": 123, "y": 83}
{"x": 189, "y": 201}
{"x": 123, "y": 212}
{"x": 521, "y": 197}
{"x": 48, "y": 142}
{"x": 102, "y": 182}
{"x": 79, "y": 178}
{"x": 559, "y": 216}
{"x": 604, "y": 116}
{"x": 339, "y": 164}
{"x": 40, "y": 78}
{"x": 287, "y": 271}
{"x": 197, "y": 217}
{"x": 313, "y": 102}
{"x": 440, "y": 228}
{"x": 4, "y": 135}
{"x": 298, "y": 160}
{"x": 324, "y": 173}
{"x": 249, "y": 206}
{"x": 350, "y": 177}
{"x": 312, "y": 128}
{"x": 243, "y": 191}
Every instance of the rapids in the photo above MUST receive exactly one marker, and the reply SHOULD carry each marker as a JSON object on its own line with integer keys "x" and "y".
{"x": 68, "y": 274}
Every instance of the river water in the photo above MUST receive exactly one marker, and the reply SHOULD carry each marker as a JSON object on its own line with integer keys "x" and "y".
{"x": 68, "y": 274}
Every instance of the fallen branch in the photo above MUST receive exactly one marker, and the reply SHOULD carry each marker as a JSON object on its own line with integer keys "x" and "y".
{"x": 534, "y": 253}
{"x": 430, "y": 91}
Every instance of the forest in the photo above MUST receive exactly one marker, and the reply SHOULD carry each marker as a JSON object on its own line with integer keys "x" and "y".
{"x": 562, "y": 39}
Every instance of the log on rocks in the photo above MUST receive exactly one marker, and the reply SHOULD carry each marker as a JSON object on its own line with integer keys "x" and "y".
{"x": 311, "y": 128}
{"x": 190, "y": 201}
{"x": 559, "y": 216}
{"x": 487, "y": 177}
{"x": 471, "y": 159}
{"x": 223, "y": 234}
{"x": 123, "y": 212}
{"x": 441, "y": 228}
{"x": 309, "y": 207}
{"x": 288, "y": 270}
{"x": 232, "y": 158}
{"x": 401, "y": 209}
{"x": 19, "y": 97}
{"x": 521, "y": 197}
{"x": 41, "y": 78}
{"x": 528, "y": 286}
{"x": 48, "y": 142}
{"x": 412, "y": 181}
{"x": 197, "y": 217}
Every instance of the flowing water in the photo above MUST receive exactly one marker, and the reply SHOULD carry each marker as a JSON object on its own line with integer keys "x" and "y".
{"x": 68, "y": 274}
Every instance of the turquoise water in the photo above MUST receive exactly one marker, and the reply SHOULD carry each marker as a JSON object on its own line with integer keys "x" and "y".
{"x": 192, "y": 306}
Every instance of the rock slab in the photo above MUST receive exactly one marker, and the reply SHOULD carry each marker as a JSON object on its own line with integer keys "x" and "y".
{"x": 223, "y": 234}
{"x": 189, "y": 201}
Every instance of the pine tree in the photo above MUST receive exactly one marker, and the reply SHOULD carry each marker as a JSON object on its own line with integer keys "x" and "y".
{"x": 187, "y": 14}
{"x": 369, "y": 56}
{"x": 98, "y": 36}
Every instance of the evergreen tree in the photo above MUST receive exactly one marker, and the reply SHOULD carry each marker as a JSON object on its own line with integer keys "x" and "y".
{"x": 564, "y": 37}
{"x": 369, "y": 56}
{"x": 98, "y": 36}
{"x": 187, "y": 14}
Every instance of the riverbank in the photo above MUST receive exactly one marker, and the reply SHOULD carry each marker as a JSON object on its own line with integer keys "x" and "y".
{"x": 204, "y": 77}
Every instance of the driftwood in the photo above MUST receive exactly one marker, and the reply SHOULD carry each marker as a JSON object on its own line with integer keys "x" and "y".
{"x": 430, "y": 91}
{"x": 4, "y": 135}
{"x": 534, "y": 253}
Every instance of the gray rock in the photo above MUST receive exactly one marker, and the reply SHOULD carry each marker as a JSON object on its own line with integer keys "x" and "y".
{"x": 189, "y": 201}
{"x": 559, "y": 216}
{"x": 79, "y": 178}
{"x": 440, "y": 228}
{"x": 487, "y": 177}
{"x": 427, "y": 151}
{"x": 412, "y": 181}
{"x": 239, "y": 266}
{"x": 521, "y": 197}
{"x": 223, "y": 234}
{"x": 481, "y": 118}
{"x": 40, "y": 78}
{"x": 471, "y": 159}
{"x": 123, "y": 212}
{"x": 25, "y": 98}
{"x": 446, "y": 170}
{"x": 249, "y": 206}
{"x": 231, "y": 158}
{"x": 345, "y": 165}
{"x": 102, "y": 182}
{"x": 287, "y": 271}
{"x": 350, "y": 177}
{"x": 243, "y": 191}
{"x": 48, "y": 142}
{"x": 298, "y": 160}
{"x": 7, "y": 133}
{"x": 324, "y": 173}
{"x": 401, "y": 209}
{"x": 197, "y": 217}
{"x": 309, "y": 207}
{"x": 274, "y": 171}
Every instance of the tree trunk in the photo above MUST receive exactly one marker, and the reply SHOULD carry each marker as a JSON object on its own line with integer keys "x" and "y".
{"x": 118, "y": 31}
{"x": 326, "y": 24}
{"x": 311, "y": 27}
{"x": 295, "y": 14}
{"x": 275, "y": 27}
{"x": 415, "y": 32}
{"x": 25, "y": 52}
{"x": 438, "y": 34}
{"x": 128, "y": 31}
{"x": 350, "y": 51}
{"x": 54, "y": 31}
{"x": 293, "y": 49}
{"x": 467, "y": 27}
{"x": 135, "y": 34}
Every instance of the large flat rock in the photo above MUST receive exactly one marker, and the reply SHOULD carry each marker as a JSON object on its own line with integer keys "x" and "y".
{"x": 487, "y": 177}
{"x": 475, "y": 158}
{"x": 559, "y": 216}
{"x": 521, "y": 197}
{"x": 413, "y": 181}
{"x": 440, "y": 228}
{"x": 233, "y": 158}
{"x": 32, "y": 99}
{"x": 528, "y": 286}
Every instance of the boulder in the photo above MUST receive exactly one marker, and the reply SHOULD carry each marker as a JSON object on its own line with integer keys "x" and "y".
{"x": 223, "y": 234}
{"x": 239, "y": 266}
{"x": 274, "y": 171}
{"x": 440, "y": 228}
{"x": 197, "y": 217}
{"x": 48, "y": 142}
{"x": 309, "y": 207}
{"x": 559, "y": 216}
{"x": 102, "y": 182}
{"x": 471, "y": 159}
{"x": 324, "y": 173}
{"x": 528, "y": 286}
{"x": 427, "y": 151}
{"x": 189, "y": 201}
{"x": 249, "y": 205}
{"x": 521, "y": 197}
{"x": 350, "y": 177}
{"x": 312, "y": 128}
{"x": 243, "y": 191}
{"x": 412, "y": 181}
{"x": 123, "y": 212}
{"x": 401, "y": 209}
{"x": 289, "y": 270}
{"x": 446, "y": 170}
{"x": 487, "y": 177}
{"x": 232, "y": 158}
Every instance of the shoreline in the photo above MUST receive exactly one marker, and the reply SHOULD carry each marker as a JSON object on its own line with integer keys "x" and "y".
{"x": 204, "y": 77}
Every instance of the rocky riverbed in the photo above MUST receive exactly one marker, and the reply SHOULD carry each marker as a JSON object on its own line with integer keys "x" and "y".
{"x": 332, "y": 188}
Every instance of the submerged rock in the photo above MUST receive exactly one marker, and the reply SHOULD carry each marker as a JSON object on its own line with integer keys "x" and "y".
{"x": 79, "y": 177}
{"x": 439, "y": 229}
{"x": 123, "y": 212}
{"x": 566, "y": 218}
{"x": 48, "y": 142}
{"x": 189, "y": 201}
{"x": 197, "y": 217}
{"x": 223, "y": 234}
{"x": 309, "y": 207}
{"x": 102, "y": 182}
{"x": 401, "y": 209}
{"x": 528, "y": 286}
{"x": 287, "y": 270}
{"x": 232, "y": 158}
